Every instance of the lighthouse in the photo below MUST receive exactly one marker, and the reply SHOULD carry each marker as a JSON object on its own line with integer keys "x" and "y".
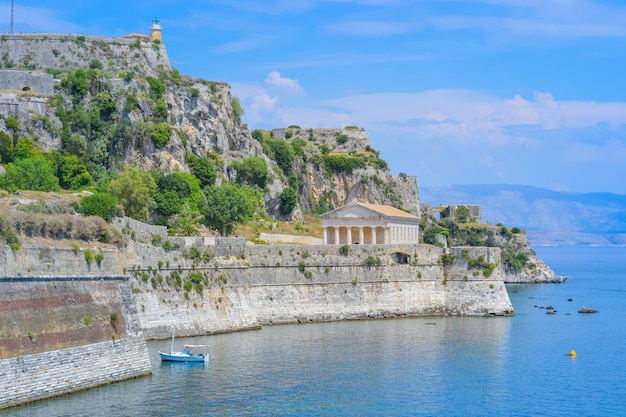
{"x": 155, "y": 31}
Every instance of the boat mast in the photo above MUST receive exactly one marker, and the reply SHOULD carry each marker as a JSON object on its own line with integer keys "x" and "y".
{"x": 173, "y": 332}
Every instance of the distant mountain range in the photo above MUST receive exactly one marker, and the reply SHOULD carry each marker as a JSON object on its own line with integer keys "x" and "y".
{"x": 548, "y": 217}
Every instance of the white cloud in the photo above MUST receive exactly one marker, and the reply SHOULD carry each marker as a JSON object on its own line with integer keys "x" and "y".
{"x": 274, "y": 79}
{"x": 477, "y": 115}
{"x": 270, "y": 103}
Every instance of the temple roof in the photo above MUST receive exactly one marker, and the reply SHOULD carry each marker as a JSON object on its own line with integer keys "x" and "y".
{"x": 382, "y": 210}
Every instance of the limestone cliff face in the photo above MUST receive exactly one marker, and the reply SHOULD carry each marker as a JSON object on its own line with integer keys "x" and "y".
{"x": 370, "y": 182}
{"x": 533, "y": 270}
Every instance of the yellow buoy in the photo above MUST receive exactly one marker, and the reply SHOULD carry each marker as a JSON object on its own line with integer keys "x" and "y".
{"x": 573, "y": 353}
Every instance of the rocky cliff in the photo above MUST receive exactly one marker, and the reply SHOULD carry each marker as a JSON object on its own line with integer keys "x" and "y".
{"x": 204, "y": 118}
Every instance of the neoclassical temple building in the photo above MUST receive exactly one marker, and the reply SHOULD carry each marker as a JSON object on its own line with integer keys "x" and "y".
{"x": 369, "y": 224}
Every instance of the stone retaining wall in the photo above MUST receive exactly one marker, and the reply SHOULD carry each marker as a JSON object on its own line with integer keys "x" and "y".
{"x": 301, "y": 283}
{"x": 299, "y": 240}
{"x": 66, "y": 333}
{"x": 44, "y": 375}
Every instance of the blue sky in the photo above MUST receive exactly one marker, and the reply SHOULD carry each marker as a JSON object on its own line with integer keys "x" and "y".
{"x": 454, "y": 92}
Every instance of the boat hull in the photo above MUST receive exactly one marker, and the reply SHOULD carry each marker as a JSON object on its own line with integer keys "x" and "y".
{"x": 182, "y": 357}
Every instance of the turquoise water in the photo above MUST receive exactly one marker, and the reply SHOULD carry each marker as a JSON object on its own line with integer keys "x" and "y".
{"x": 516, "y": 366}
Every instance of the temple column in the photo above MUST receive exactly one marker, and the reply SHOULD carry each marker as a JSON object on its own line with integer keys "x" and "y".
{"x": 374, "y": 235}
{"x": 324, "y": 235}
{"x": 361, "y": 235}
{"x": 349, "y": 235}
{"x": 387, "y": 237}
{"x": 336, "y": 242}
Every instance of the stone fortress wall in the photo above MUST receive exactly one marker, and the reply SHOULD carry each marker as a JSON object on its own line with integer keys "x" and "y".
{"x": 48, "y": 50}
{"x": 65, "y": 334}
{"x": 35, "y": 82}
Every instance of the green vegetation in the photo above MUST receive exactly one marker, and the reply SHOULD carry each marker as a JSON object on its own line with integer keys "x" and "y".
{"x": 237, "y": 109}
{"x": 29, "y": 174}
{"x": 134, "y": 190}
{"x": 340, "y": 164}
{"x": 288, "y": 200}
{"x": 252, "y": 171}
{"x": 99, "y": 204}
{"x": 89, "y": 256}
{"x": 226, "y": 206}
{"x": 161, "y": 134}
{"x": 202, "y": 168}
{"x": 372, "y": 261}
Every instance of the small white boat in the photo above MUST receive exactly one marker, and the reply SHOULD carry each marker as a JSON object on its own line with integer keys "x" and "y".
{"x": 185, "y": 355}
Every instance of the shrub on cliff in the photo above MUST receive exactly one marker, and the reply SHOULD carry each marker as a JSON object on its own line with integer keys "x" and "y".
{"x": 340, "y": 164}
{"x": 280, "y": 151}
{"x": 161, "y": 134}
{"x": 73, "y": 173}
{"x": 99, "y": 204}
{"x": 252, "y": 171}
{"x": 288, "y": 200}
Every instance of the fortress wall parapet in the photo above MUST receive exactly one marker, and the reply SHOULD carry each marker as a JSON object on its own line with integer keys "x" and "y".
{"x": 67, "y": 51}
{"x": 355, "y": 139}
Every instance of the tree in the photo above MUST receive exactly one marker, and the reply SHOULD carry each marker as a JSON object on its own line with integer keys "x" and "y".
{"x": 175, "y": 190}
{"x": 73, "y": 174}
{"x": 6, "y": 147}
{"x": 202, "y": 168}
{"x": 99, "y": 204}
{"x": 185, "y": 223}
{"x": 134, "y": 190}
{"x": 288, "y": 200}
{"x": 283, "y": 155}
{"x": 227, "y": 206}
{"x": 104, "y": 106}
{"x": 25, "y": 148}
{"x": 29, "y": 174}
{"x": 252, "y": 171}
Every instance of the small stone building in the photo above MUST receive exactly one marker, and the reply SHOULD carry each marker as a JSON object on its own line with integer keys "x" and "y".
{"x": 369, "y": 224}
{"x": 473, "y": 212}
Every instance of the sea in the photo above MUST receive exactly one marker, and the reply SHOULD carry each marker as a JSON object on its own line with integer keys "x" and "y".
{"x": 433, "y": 366}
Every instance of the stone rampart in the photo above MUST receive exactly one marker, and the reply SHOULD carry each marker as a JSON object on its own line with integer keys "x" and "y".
{"x": 268, "y": 284}
{"x": 139, "y": 231}
{"x": 349, "y": 139}
{"x": 300, "y": 240}
{"x": 36, "y": 82}
{"x": 63, "y": 334}
{"x": 116, "y": 55}
{"x": 48, "y": 374}
{"x": 40, "y": 260}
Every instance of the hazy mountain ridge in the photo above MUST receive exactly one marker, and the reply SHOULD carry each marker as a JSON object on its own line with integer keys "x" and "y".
{"x": 548, "y": 217}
